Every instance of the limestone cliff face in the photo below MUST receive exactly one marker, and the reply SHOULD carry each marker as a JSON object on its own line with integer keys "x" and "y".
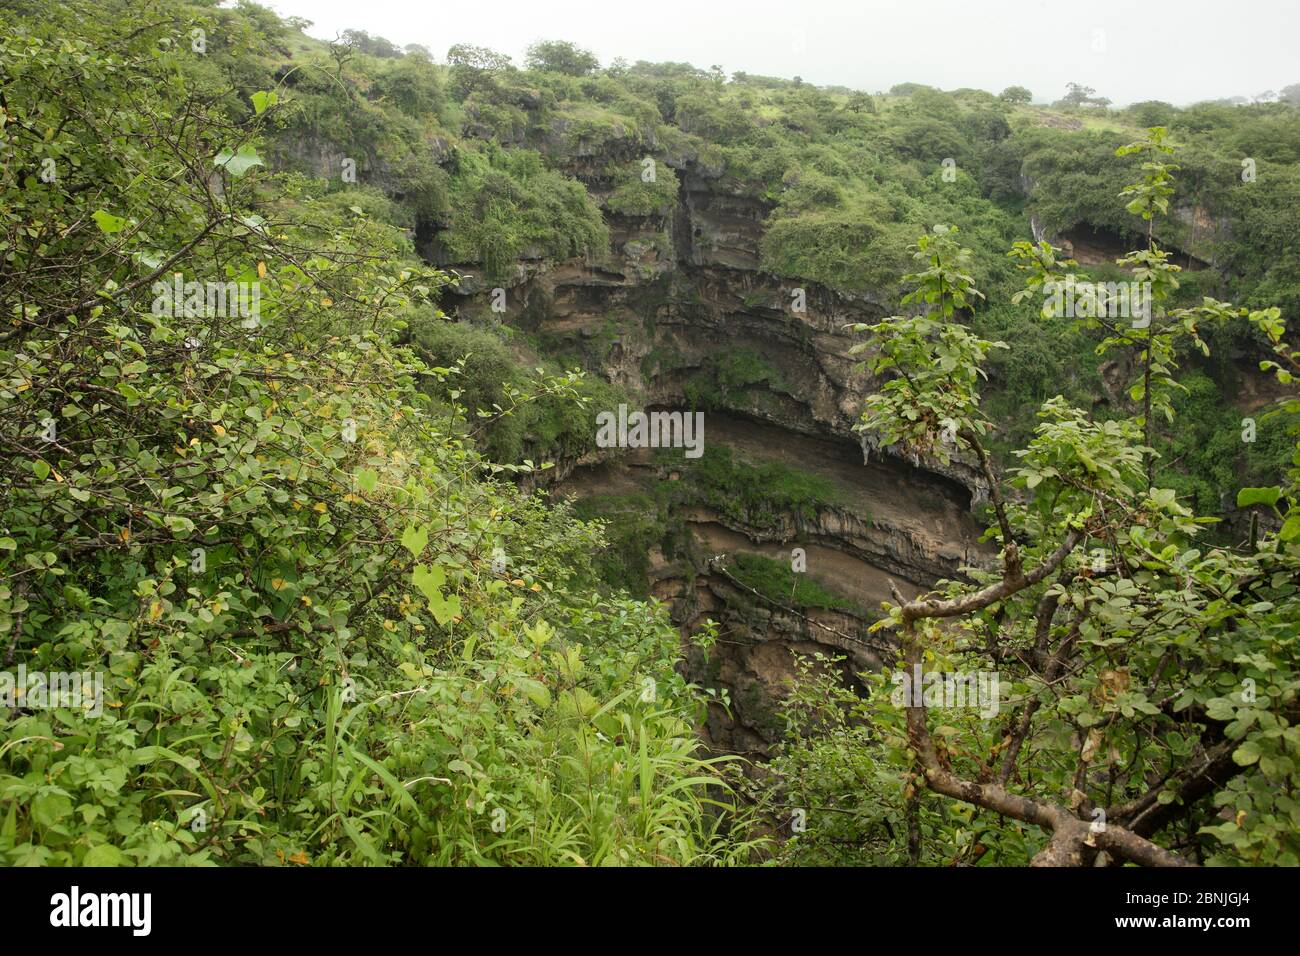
{"x": 675, "y": 296}
{"x": 1199, "y": 234}
{"x": 679, "y": 290}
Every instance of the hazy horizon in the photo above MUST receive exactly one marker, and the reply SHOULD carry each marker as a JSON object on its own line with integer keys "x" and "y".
{"x": 875, "y": 45}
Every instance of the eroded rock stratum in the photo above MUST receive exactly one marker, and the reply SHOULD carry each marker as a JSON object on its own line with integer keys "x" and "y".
{"x": 680, "y": 315}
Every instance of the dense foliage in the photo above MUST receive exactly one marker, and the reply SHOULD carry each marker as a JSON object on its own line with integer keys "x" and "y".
{"x": 326, "y": 634}
{"x": 333, "y": 624}
{"x": 1150, "y": 715}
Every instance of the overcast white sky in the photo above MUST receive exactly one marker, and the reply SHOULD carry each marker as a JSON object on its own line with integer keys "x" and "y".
{"x": 1210, "y": 48}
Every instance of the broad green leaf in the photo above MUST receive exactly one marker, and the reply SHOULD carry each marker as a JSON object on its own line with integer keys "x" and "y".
{"x": 1246, "y": 754}
{"x": 1258, "y": 496}
{"x": 264, "y": 100}
{"x": 429, "y": 579}
{"x": 444, "y": 609}
{"x": 367, "y": 479}
{"x": 237, "y": 164}
{"x": 107, "y": 222}
{"x": 49, "y": 808}
{"x": 414, "y": 539}
{"x": 105, "y": 855}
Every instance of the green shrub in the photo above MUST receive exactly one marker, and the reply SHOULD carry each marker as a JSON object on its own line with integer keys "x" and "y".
{"x": 634, "y": 196}
{"x": 505, "y": 204}
{"x": 758, "y": 494}
{"x": 776, "y": 581}
{"x": 508, "y": 414}
{"x": 322, "y": 637}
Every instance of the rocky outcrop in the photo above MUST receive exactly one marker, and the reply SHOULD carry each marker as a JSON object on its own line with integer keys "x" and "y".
{"x": 675, "y": 299}
{"x": 677, "y": 291}
{"x": 886, "y": 526}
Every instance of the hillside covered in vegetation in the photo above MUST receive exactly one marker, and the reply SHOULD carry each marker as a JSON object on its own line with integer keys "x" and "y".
{"x": 302, "y": 350}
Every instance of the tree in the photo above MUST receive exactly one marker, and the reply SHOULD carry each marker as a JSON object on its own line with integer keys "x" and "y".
{"x": 412, "y": 83}
{"x": 1077, "y": 95}
{"x": 860, "y": 103}
{"x": 560, "y": 56}
{"x": 363, "y": 42}
{"x": 227, "y": 495}
{"x": 1153, "y": 681}
{"x": 475, "y": 68}
{"x": 1151, "y": 113}
{"x": 477, "y": 58}
{"x": 1016, "y": 95}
